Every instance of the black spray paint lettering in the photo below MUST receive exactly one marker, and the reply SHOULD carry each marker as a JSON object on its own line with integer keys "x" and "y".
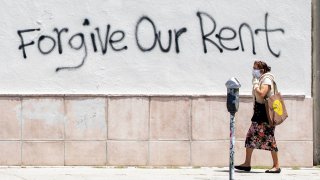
{"x": 157, "y": 37}
{"x": 44, "y": 37}
{"x": 266, "y": 30}
{"x": 80, "y": 46}
{"x": 60, "y": 49}
{"x": 76, "y": 42}
{"x": 104, "y": 40}
{"x": 221, "y": 39}
{"x": 23, "y": 45}
{"x": 110, "y": 39}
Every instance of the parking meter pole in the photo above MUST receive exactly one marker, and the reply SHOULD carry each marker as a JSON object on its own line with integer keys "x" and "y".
{"x": 233, "y": 86}
{"x": 232, "y": 142}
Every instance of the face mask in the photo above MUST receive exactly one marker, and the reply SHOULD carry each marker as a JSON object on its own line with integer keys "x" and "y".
{"x": 256, "y": 73}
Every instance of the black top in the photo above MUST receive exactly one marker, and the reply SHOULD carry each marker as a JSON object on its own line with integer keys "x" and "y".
{"x": 260, "y": 114}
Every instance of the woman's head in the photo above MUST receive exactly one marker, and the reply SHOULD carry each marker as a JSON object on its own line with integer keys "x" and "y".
{"x": 262, "y": 66}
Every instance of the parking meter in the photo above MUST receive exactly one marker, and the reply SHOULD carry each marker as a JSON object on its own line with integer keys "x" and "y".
{"x": 233, "y": 86}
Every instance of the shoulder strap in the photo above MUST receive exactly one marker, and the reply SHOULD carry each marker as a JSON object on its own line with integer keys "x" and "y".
{"x": 275, "y": 88}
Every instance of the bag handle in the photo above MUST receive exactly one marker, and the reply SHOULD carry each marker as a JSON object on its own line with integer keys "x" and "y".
{"x": 275, "y": 87}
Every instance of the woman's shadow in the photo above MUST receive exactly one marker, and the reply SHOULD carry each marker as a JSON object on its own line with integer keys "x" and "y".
{"x": 237, "y": 171}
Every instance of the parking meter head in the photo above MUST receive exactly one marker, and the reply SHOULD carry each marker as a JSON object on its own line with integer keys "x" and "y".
{"x": 233, "y": 83}
{"x": 233, "y": 86}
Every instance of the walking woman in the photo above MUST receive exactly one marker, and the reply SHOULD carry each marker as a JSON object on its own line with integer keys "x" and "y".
{"x": 260, "y": 135}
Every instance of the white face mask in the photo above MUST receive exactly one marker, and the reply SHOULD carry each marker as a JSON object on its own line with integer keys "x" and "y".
{"x": 256, "y": 73}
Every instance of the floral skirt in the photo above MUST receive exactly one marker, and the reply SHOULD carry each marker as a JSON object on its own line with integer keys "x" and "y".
{"x": 261, "y": 136}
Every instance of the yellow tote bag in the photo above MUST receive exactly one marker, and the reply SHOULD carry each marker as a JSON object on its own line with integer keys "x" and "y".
{"x": 275, "y": 107}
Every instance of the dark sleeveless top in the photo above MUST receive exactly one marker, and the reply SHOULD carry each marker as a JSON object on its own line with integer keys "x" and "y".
{"x": 260, "y": 114}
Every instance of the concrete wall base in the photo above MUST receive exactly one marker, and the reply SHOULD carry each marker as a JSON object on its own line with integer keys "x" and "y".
{"x": 142, "y": 131}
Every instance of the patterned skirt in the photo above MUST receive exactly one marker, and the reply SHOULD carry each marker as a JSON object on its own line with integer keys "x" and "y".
{"x": 261, "y": 136}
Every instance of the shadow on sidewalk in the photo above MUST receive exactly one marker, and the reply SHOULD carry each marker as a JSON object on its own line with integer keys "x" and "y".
{"x": 236, "y": 171}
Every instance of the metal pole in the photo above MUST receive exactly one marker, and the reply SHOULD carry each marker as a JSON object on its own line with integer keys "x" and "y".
{"x": 232, "y": 141}
{"x": 316, "y": 80}
{"x": 233, "y": 86}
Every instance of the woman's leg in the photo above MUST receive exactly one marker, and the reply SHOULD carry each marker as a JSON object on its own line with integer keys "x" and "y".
{"x": 248, "y": 157}
{"x": 275, "y": 159}
{"x": 246, "y": 166}
{"x": 276, "y": 167}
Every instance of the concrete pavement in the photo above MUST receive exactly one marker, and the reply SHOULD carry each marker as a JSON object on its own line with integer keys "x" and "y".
{"x": 133, "y": 173}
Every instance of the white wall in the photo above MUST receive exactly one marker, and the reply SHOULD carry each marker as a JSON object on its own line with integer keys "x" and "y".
{"x": 132, "y": 71}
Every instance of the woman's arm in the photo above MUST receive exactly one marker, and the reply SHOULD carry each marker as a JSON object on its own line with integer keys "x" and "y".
{"x": 263, "y": 91}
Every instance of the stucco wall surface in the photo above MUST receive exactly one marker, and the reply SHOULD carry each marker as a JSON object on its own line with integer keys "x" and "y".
{"x": 152, "y": 47}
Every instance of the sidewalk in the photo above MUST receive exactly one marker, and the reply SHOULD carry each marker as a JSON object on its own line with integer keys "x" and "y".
{"x": 132, "y": 173}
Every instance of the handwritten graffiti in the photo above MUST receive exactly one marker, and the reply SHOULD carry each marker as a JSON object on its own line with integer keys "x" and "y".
{"x": 76, "y": 41}
{"x": 157, "y": 37}
{"x": 111, "y": 39}
{"x": 221, "y": 46}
